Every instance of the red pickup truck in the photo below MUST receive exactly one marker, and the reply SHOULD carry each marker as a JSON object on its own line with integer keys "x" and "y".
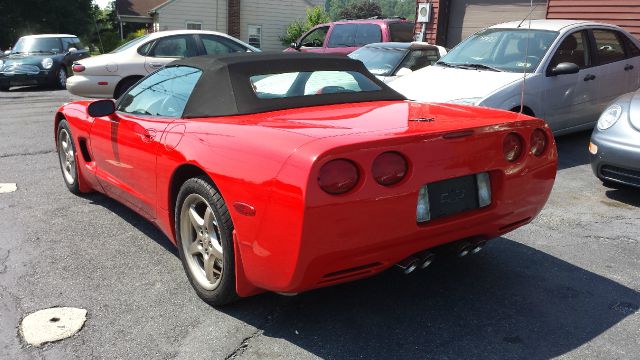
{"x": 345, "y": 36}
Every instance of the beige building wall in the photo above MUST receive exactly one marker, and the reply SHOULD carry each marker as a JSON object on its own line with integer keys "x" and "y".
{"x": 273, "y": 17}
{"x": 212, "y": 14}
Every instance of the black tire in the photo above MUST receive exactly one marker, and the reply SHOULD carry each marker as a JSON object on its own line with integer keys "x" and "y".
{"x": 225, "y": 291}
{"x": 60, "y": 81}
{"x": 68, "y": 163}
{"x": 123, "y": 86}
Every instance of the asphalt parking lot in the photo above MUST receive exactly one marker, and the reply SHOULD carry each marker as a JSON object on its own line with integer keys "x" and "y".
{"x": 567, "y": 285}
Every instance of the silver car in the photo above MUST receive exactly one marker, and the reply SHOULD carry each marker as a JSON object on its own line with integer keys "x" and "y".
{"x": 569, "y": 69}
{"x": 615, "y": 142}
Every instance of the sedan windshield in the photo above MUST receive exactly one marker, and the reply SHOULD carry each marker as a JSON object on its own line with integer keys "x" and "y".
{"x": 379, "y": 60}
{"x": 37, "y": 45}
{"x": 511, "y": 50}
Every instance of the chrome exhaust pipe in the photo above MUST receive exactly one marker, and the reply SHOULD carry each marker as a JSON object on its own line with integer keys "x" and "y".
{"x": 409, "y": 264}
{"x": 465, "y": 250}
{"x": 426, "y": 259}
{"x": 478, "y": 247}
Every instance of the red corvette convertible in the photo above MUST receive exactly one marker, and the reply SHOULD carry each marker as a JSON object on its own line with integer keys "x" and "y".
{"x": 289, "y": 172}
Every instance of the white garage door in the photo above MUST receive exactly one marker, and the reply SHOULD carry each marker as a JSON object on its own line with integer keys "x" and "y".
{"x": 468, "y": 16}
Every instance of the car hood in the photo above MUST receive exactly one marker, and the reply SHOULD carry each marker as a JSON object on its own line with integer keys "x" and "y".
{"x": 28, "y": 59}
{"x": 442, "y": 84}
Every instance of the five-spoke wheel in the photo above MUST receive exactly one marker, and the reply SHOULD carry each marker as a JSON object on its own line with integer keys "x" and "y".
{"x": 204, "y": 235}
{"x": 67, "y": 156}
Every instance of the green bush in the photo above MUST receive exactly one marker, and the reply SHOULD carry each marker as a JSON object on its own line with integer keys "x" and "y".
{"x": 296, "y": 29}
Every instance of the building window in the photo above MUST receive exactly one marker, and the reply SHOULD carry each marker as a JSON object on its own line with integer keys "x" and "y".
{"x": 194, "y": 25}
{"x": 255, "y": 35}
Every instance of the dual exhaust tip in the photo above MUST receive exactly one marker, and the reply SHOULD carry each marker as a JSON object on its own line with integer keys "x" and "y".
{"x": 418, "y": 261}
{"x": 423, "y": 259}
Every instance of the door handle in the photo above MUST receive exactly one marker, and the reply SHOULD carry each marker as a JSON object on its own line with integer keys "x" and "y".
{"x": 589, "y": 77}
{"x": 155, "y": 65}
{"x": 628, "y": 67}
{"x": 148, "y": 135}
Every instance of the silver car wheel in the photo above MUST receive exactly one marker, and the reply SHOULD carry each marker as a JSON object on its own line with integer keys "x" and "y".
{"x": 62, "y": 78}
{"x": 67, "y": 157}
{"x": 201, "y": 243}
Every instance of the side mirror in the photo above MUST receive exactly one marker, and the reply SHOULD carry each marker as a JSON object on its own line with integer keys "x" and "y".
{"x": 72, "y": 50}
{"x": 403, "y": 72}
{"x": 7, "y": 52}
{"x": 294, "y": 45}
{"x": 101, "y": 108}
{"x": 564, "y": 68}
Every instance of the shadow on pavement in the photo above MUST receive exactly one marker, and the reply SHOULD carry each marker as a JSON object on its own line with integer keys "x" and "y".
{"x": 32, "y": 88}
{"x": 510, "y": 301}
{"x": 629, "y": 196}
{"x": 573, "y": 149}
{"x": 132, "y": 218}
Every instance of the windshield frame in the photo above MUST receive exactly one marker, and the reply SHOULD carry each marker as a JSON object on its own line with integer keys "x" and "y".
{"x": 28, "y": 40}
{"x": 518, "y": 64}
{"x": 130, "y": 44}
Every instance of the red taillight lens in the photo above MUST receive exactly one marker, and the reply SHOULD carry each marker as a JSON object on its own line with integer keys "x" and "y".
{"x": 389, "y": 168}
{"x": 338, "y": 176}
{"x": 512, "y": 147}
{"x": 538, "y": 142}
{"x": 78, "y": 68}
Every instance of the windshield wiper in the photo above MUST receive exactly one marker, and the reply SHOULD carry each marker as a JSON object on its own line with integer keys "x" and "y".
{"x": 41, "y": 52}
{"x": 446, "y": 64}
{"x": 479, "y": 67}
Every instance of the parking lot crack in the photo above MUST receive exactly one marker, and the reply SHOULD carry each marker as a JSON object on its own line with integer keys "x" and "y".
{"x": 244, "y": 344}
{"x": 2, "y": 156}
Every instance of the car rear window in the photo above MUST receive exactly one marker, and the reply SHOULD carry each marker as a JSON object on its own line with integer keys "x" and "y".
{"x": 348, "y": 35}
{"x": 292, "y": 84}
{"x": 401, "y": 31}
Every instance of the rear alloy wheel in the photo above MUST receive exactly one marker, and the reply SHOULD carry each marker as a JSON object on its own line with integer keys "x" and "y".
{"x": 205, "y": 241}
{"x": 61, "y": 79}
{"x": 67, "y": 156}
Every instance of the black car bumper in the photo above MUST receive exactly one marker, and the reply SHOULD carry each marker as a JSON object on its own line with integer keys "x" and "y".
{"x": 615, "y": 162}
{"x": 18, "y": 79}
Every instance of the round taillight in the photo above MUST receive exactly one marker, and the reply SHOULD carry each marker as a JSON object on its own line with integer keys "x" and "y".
{"x": 389, "y": 168}
{"x": 338, "y": 176}
{"x": 78, "y": 68}
{"x": 538, "y": 142}
{"x": 512, "y": 147}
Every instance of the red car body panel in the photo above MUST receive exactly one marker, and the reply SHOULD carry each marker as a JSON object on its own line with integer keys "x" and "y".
{"x": 298, "y": 237}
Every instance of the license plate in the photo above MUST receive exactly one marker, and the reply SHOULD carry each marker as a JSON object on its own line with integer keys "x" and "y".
{"x": 453, "y": 196}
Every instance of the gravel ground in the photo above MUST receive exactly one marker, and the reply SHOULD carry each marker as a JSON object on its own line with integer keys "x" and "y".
{"x": 565, "y": 286}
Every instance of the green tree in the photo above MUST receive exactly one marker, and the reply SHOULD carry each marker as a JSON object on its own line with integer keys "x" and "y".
{"x": 362, "y": 9}
{"x": 315, "y": 16}
{"x": 389, "y": 8}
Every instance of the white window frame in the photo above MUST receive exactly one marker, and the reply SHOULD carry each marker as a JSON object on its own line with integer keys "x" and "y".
{"x": 187, "y": 23}
{"x": 251, "y": 32}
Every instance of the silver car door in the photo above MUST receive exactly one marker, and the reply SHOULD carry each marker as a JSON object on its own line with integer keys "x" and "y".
{"x": 571, "y": 99}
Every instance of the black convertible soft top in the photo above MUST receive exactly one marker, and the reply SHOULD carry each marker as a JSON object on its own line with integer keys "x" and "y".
{"x": 225, "y": 87}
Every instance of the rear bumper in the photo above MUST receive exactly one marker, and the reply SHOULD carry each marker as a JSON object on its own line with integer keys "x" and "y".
{"x": 615, "y": 161}
{"x": 93, "y": 86}
{"x": 309, "y": 240}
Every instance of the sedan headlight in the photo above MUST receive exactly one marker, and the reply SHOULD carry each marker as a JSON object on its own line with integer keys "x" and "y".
{"x": 47, "y": 63}
{"x": 609, "y": 116}
{"x": 465, "y": 101}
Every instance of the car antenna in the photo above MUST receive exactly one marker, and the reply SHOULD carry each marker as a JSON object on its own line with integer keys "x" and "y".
{"x": 526, "y": 55}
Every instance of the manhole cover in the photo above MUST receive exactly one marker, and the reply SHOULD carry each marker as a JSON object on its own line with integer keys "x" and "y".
{"x": 8, "y": 187}
{"x": 51, "y": 325}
